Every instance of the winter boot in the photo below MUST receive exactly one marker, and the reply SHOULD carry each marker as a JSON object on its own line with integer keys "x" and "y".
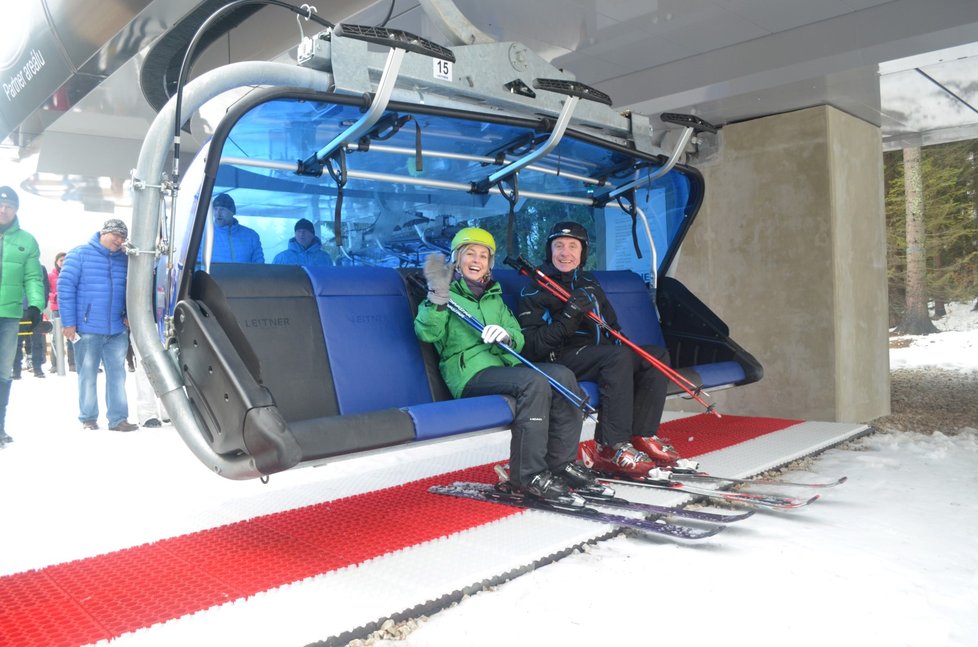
{"x": 551, "y": 489}
{"x": 657, "y": 449}
{"x": 621, "y": 460}
{"x": 584, "y": 481}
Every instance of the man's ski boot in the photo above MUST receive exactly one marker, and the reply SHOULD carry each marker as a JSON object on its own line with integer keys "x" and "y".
{"x": 584, "y": 481}
{"x": 657, "y": 449}
{"x": 621, "y": 460}
{"x": 664, "y": 454}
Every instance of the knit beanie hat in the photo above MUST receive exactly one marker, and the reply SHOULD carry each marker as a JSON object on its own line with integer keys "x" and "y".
{"x": 226, "y": 201}
{"x": 9, "y": 195}
{"x": 115, "y": 226}
{"x": 305, "y": 224}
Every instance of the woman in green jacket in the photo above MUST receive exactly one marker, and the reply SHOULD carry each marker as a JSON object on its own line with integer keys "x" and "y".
{"x": 546, "y": 427}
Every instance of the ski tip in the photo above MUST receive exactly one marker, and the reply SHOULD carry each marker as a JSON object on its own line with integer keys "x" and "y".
{"x": 842, "y": 480}
{"x": 708, "y": 532}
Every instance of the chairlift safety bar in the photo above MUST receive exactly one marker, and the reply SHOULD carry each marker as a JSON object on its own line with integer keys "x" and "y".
{"x": 400, "y": 42}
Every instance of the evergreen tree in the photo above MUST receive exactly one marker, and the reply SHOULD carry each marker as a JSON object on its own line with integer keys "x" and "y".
{"x": 949, "y": 177}
{"x": 915, "y": 319}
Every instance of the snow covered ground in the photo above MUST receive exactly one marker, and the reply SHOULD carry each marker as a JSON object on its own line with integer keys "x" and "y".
{"x": 887, "y": 559}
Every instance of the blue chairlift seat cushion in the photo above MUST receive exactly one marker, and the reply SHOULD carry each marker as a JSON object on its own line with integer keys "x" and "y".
{"x": 720, "y": 373}
{"x": 374, "y": 355}
{"x": 439, "y": 419}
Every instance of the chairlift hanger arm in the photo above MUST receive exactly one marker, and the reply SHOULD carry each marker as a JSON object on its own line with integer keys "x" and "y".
{"x": 574, "y": 92}
{"x": 400, "y": 42}
{"x": 691, "y": 124}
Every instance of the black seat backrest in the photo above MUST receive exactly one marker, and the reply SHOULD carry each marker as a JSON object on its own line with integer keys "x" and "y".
{"x": 274, "y": 307}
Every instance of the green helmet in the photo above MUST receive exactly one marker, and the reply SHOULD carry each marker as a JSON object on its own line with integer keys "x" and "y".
{"x": 474, "y": 235}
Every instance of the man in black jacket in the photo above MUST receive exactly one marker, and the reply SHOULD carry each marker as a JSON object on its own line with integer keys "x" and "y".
{"x": 632, "y": 390}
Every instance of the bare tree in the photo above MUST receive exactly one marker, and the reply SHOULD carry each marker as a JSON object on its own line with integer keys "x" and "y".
{"x": 915, "y": 317}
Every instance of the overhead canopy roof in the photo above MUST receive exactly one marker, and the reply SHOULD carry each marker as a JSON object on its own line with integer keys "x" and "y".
{"x": 726, "y": 61}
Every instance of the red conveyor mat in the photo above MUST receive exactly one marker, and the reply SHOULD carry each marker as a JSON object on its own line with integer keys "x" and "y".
{"x": 101, "y": 597}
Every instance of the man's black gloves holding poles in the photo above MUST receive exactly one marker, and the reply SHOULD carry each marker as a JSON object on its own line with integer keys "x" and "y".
{"x": 579, "y": 303}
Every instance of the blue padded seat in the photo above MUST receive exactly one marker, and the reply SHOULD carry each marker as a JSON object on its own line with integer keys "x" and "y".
{"x": 720, "y": 373}
{"x": 367, "y": 325}
{"x": 376, "y": 359}
{"x": 637, "y": 315}
{"x": 439, "y": 419}
{"x": 639, "y": 322}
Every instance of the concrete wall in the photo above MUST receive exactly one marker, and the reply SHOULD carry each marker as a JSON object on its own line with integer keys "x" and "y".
{"x": 789, "y": 249}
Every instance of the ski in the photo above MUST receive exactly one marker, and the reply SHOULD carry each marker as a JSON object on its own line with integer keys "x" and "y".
{"x": 610, "y": 500}
{"x": 703, "y": 476}
{"x": 748, "y": 498}
{"x": 489, "y": 493}
{"x": 663, "y": 510}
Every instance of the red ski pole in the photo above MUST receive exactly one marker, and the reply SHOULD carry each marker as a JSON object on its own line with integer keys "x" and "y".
{"x": 523, "y": 267}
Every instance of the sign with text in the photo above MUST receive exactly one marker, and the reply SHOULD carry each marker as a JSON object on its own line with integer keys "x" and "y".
{"x": 32, "y": 67}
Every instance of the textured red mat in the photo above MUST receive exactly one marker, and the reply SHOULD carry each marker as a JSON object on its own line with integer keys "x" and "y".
{"x": 101, "y": 597}
{"x": 698, "y": 435}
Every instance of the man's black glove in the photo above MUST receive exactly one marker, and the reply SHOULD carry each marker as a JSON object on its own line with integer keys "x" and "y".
{"x": 578, "y": 305}
{"x": 35, "y": 316}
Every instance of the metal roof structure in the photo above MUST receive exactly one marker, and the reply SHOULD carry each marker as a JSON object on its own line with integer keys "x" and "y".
{"x": 908, "y": 66}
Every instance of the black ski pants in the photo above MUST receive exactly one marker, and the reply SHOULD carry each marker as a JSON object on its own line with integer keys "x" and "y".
{"x": 546, "y": 428}
{"x": 632, "y": 391}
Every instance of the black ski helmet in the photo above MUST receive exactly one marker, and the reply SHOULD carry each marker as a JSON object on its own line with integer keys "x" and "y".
{"x": 568, "y": 230}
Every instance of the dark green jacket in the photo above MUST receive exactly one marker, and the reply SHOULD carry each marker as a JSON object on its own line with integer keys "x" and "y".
{"x": 462, "y": 352}
{"x": 20, "y": 272}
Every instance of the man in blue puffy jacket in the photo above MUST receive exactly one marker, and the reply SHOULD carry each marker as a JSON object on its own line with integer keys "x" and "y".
{"x": 92, "y": 299}
{"x": 305, "y": 248}
{"x": 233, "y": 242}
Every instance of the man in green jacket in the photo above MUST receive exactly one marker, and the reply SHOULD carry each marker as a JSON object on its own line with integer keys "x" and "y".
{"x": 20, "y": 277}
{"x": 546, "y": 427}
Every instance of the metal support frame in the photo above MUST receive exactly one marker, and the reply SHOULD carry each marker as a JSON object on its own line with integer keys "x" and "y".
{"x": 563, "y": 119}
{"x": 314, "y": 165}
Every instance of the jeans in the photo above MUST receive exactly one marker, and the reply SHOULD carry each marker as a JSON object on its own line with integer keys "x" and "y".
{"x": 9, "y": 327}
{"x": 109, "y": 351}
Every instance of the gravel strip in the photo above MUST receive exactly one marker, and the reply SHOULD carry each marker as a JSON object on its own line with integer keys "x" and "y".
{"x": 926, "y": 400}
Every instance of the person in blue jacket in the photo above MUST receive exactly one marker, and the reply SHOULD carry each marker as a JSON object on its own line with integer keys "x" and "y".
{"x": 233, "y": 242}
{"x": 305, "y": 248}
{"x": 92, "y": 300}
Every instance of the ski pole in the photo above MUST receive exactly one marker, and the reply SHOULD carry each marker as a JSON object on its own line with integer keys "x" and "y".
{"x": 523, "y": 267}
{"x": 463, "y": 314}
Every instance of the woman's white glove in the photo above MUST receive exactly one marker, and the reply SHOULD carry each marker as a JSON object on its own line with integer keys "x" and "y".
{"x": 493, "y": 334}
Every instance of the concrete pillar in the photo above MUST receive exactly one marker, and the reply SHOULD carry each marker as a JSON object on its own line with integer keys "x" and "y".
{"x": 790, "y": 250}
